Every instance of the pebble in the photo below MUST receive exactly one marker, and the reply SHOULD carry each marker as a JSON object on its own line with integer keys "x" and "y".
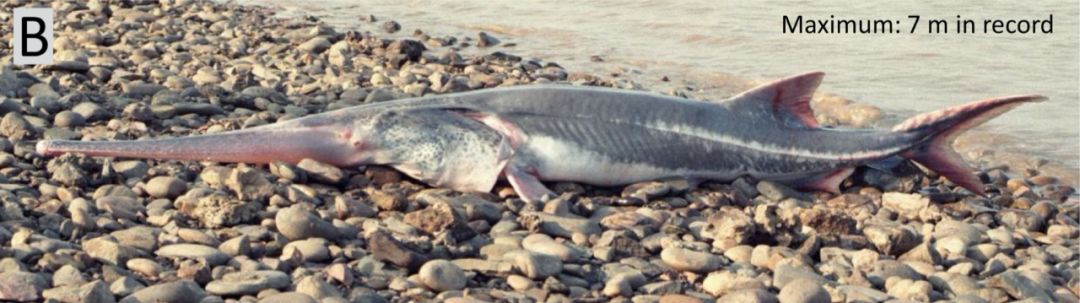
{"x": 561, "y": 226}
{"x": 750, "y": 296}
{"x": 125, "y": 286}
{"x": 719, "y": 283}
{"x": 208, "y": 254}
{"x": 165, "y": 187}
{"x": 519, "y": 283}
{"x": 248, "y": 283}
{"x": 68, "y": 119}
{"x": 804, "y": 291}
{"x": 297, "y": 223}
{"x": 683, "y": 259}
{"x": 321, "y": 172}
{"x": 442, "y": 275}
{"x": 543, "y": 244}
{"x": 95, "y": 291}
{"x": 21, "y": 286}
{"x": 317, "y": 288}
{"x": 786, "y": 273}
{"x": 182, "y": 291}
{"x": 288, "y": 297}
{"x": 91, "y": 112}
{"x": 315, "y": 45}
{"x": 385, "y": 247}
{"x": 438, "y": 218}
{"x": 534, "y": 265}
{"x": 107, "y": 250}
{"x": 391, "y": 26}
{"x": 311, "y": 250}
{"x": 906, "y": 289}
{"x": 1019, "y": 286}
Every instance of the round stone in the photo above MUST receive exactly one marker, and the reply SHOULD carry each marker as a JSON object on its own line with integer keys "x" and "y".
{"x": 442, "y": 275}
{"x": 804, "y": 291}
{"x": 165, "y": 187}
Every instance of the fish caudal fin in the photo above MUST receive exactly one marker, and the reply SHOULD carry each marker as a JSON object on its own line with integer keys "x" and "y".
{"x": 940, "y": 129}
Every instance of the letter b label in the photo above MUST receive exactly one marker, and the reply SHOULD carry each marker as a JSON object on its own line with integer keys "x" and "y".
{"x": 33, "y": 36}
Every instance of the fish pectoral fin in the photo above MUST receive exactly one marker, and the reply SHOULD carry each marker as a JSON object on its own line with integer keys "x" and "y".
{"x": 526, "y": 183}
{"x": 788, "y": 99}
{"x": 828, "y": 182}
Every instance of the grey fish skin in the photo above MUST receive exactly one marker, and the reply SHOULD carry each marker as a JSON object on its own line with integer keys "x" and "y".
{"x": 526, "y": 134}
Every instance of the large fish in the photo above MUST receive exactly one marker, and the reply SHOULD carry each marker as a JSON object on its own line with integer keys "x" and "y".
{"x": 528, "y": 134}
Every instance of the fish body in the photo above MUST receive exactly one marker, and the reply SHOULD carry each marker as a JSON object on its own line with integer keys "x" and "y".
{"x": 534, "y": 133}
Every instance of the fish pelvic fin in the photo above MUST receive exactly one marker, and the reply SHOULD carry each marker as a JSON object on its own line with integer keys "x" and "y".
{"x": 829, "y": 182}
{"x": 788, "y": 98}
{"x": 940, "y": 128}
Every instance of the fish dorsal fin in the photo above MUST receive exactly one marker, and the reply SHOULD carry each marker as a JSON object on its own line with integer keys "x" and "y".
{"x": 787, "y": 98}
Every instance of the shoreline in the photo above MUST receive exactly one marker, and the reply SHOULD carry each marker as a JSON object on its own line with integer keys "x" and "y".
{"x": 105, "y": 230}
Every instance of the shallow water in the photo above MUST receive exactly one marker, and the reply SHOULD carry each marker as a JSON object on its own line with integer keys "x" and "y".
{"x": 700, "y": 42}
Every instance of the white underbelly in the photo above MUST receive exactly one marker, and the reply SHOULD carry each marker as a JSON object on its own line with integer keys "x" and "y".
{"x": 558, "y": 160}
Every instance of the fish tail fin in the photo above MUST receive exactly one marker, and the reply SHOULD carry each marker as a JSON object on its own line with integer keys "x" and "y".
{"x": 939, "y": 129}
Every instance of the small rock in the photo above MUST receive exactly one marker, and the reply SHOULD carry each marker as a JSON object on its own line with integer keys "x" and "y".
{"x": 385, "y": 247}
{"x": 321, "y": 172}
{"x": 183, "y": 291}
{"x": 317, "y": 288}
{"x": 248, "y": 283}
{"x": 885, "y": 269}
{"x": 534, "y": 265}
{"x": 315, "y": 45}
{"x": 95, "y": 291}
{"x": 441, "y": 275}
{"x": 165, "y": 187}
{"x": 683, "y": 259}
{"x": 679, "y": 298}
{"x": 68, "y": 119}
{"x": 439, "y": 218}
{"x": 311, "y": 250}
{"x": 719, "y": 283}
{"x": 15, "y": 127}
{"x": 144, "y": 266}
{"x": 210, "y": 255}
{"x": 908, "y": 206}
{"x": 749, "y": 296}
{"x": 68, "y": 275}
{"x": 540, "y": 243}
{"x": 1019, "y": 286}
{"x": 237, "y": 246}
{"x": 125, "y": 286}
{"x": 131, "y": 169}
{"x": 906, "y": 289}
{"x": 804, "y": 291}
{"x": 297, "y": 223}
{"x": 485, "y": 40}
{"x": 21, "y": 286}
{"x": 288, "y": 297}
{"x": 786, "y": 273}
{"x": 107, "y": 250}
{"x": 891, "y": 238}
{"x": 519, "y": 283}
{"x": 560, "y": 226}
{"x": 391, "y": 26}
{"x": 730, "y": 226}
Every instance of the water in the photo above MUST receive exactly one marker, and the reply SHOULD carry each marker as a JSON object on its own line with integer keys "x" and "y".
{"x": 701, "y": 43}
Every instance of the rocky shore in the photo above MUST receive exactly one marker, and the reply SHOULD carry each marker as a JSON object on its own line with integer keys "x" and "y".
{"x": 78, "y": 229}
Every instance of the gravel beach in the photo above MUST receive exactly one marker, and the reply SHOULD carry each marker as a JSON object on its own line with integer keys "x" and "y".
{"x": 79, "y": 229}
